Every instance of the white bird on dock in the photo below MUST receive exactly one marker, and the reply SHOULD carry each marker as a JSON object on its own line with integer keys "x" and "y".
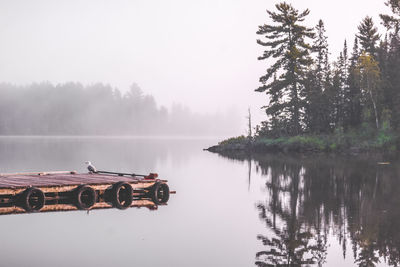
{"x": 90, "y": 167}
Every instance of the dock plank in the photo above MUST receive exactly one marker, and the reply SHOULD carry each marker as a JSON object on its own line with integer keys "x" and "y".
{"x": 63, "y": 179}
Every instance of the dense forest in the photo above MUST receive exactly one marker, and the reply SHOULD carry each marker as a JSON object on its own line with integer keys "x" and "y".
{"x": 98, "y": 109}
{"x": 308, "y": 93}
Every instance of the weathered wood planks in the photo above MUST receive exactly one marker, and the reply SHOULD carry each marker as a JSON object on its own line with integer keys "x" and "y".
{"x": 64, "y": 191}
{"x": 25, "y": 180}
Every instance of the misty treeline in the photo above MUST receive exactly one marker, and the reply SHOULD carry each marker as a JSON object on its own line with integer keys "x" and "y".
{"x": 310, "y": 94}
{"x": 98, "y": 109}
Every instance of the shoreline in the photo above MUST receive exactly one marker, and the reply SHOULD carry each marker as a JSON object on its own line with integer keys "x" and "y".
{"x": 310, "y": 144}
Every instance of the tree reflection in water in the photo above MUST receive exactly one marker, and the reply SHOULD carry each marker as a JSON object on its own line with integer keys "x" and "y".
{"x": 308, "y": 198}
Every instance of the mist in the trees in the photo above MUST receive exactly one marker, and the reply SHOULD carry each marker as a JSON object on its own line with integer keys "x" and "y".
{"x": 98, "y": 109}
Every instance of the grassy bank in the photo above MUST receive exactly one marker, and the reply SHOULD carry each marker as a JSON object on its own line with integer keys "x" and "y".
{"x": 352, "y": 142}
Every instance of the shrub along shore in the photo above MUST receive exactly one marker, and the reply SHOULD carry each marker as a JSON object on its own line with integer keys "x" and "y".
{"x": 348, "y": 143}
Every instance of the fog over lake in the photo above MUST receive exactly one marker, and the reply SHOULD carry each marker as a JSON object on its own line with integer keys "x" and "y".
{"x": 201, "y": 54}
{"x": 336, "y": 211}
{"x": 111, "y": 111}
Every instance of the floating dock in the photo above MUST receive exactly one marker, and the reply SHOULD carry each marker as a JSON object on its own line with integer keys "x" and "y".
{"x": 61, "y": 191}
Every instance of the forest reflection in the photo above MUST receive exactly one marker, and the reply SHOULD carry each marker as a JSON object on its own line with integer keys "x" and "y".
{"x": 309, "y": 199}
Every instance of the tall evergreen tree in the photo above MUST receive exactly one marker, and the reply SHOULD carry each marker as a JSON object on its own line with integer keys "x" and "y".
{"x": 392, "y": 65}
{"x": 393, "y": 78}
{"x": 354, "y": 118}
{"x": 320, "y": 47}
{"x": 383, "y": 59}
{"x": 286, "y": 42}
{"x": 316, "y": 108}
{"x": 392, "y": 22}
{"x": 339, "y": 91}
{"x": 335, "y": 94}
{"x": 345, "y": 88}
{"x": 368, "y": 35}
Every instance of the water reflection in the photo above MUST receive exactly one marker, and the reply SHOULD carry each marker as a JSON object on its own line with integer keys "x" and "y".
{"x": 69, "y": 207}
{"x": 308, "y": 199}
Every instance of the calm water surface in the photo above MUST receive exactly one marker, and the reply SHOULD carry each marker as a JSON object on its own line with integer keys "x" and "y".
{"x": 228, "y": 211}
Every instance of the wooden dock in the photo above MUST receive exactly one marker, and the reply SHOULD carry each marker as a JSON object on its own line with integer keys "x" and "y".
{"x": 55, "y": 191}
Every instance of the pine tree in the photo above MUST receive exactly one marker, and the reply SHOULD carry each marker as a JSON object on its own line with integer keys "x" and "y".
{"x": 391, "y": 78}
{"x": 320, "y": 47}
{"x": 345, "y": 89}
{"x": 286, "y": 42}
{"x": 383, "y": 59}
{"x": 340, "y": 92}
{"x": 392, "y": 22}
{"x": 335, "y": 95}
{"x": 316, "y": 111}
{"x": 368, "y": 35}
{"x": 354, "y": 118}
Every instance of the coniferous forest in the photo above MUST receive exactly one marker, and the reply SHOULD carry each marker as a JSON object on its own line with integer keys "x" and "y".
{"x": 356, "y": 94}
{"x": 98, "y": 109}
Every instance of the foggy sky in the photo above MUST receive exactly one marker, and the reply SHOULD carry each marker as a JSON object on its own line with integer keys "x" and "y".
{"x": 200, "y": 53}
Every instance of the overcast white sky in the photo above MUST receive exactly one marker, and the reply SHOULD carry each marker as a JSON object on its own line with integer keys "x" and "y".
{"x": 199, "y": 53}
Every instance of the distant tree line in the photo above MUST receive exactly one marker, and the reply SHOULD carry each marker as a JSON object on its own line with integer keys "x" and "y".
{"x": 98, "y": 109}
{"x": 309, "y": 94}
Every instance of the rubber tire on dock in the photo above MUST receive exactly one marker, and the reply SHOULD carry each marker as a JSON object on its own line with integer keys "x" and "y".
{"x": 121, "y": 195}
{"x": 32, "y": 199}
{"x": 160, "y": 193}
{"x": 84, "y": 197}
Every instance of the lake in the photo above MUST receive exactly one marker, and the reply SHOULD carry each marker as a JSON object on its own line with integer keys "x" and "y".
{"x": 232, "y": 210}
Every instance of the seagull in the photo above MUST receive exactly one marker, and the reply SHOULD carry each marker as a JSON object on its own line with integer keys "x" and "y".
{"x": 90, "y": 167}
